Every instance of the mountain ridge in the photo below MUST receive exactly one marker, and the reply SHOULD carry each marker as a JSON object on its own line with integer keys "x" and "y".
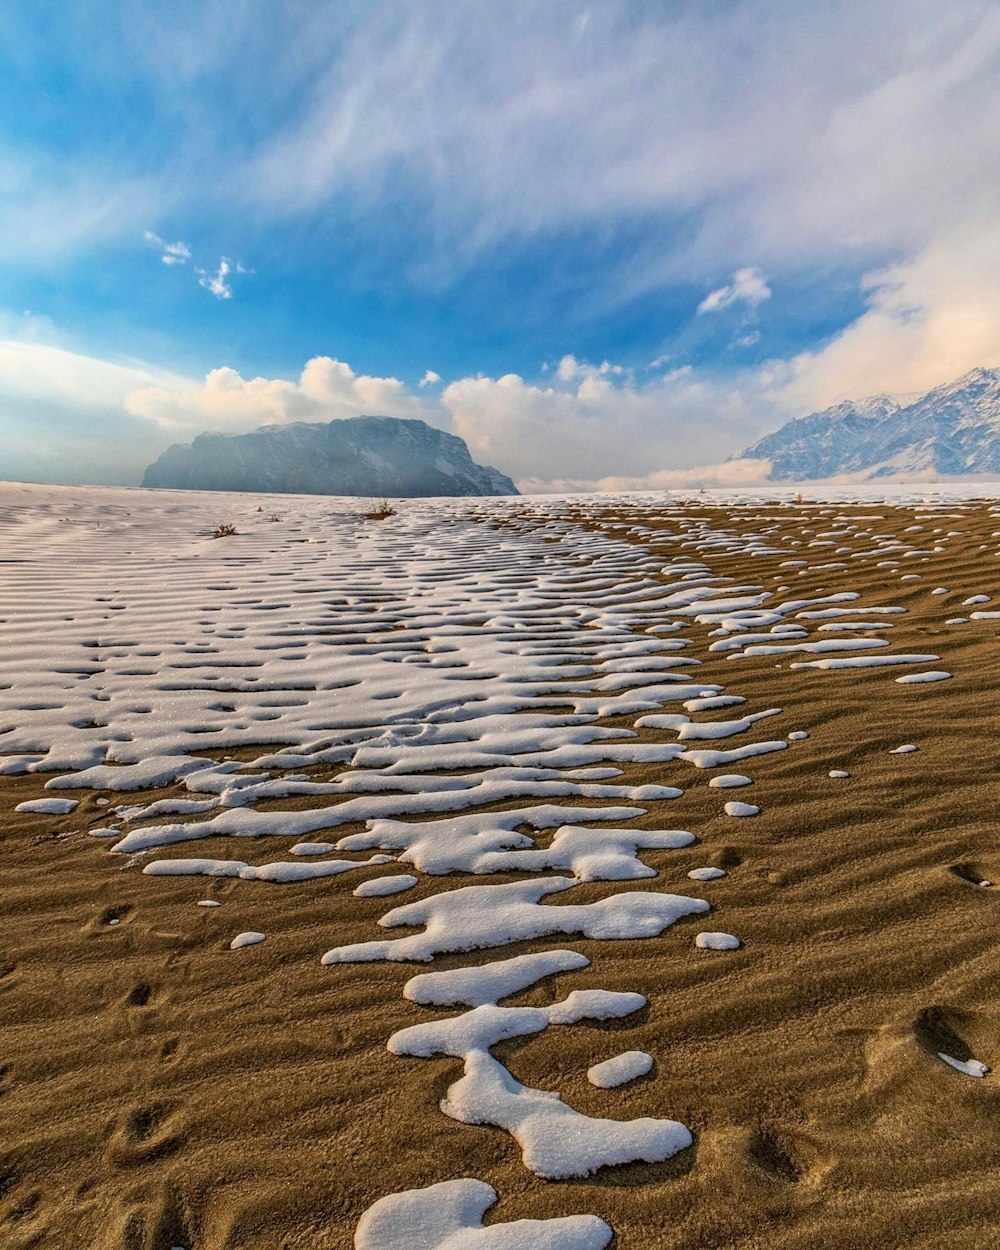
{"x": 366, "y": 455}
{"x": 951, "y": 429}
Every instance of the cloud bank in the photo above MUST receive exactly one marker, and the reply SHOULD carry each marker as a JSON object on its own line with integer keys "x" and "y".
{"x": 581, "y": 426}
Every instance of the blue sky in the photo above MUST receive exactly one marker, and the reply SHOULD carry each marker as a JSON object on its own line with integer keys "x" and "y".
{"x": 615, "y": 242}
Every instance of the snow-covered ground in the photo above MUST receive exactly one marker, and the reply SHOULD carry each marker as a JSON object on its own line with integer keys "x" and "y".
{"x": 462, "y": 653}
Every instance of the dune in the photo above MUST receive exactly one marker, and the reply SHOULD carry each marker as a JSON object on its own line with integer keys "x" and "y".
{"x": 357, "y": 874}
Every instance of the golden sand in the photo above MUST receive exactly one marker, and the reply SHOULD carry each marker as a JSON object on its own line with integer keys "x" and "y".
{"x": 160, "y": 1091}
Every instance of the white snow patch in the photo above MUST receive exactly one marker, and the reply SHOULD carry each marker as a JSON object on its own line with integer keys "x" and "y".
{"x": 733, "y": 808}
{"x": 619, "y": 1070}
{"x": 449, "y": 1216}
{"x": 477, "y": 916}
{"x": 48, "y": 807}
{"x": 556, "y": 1141}
{"x": 278, "y": 873}
{"x": 488, "y": 983}
{"x": 717, "y": 942}
{"x": 380, "y": 886}
{"x": 716, "y": 759}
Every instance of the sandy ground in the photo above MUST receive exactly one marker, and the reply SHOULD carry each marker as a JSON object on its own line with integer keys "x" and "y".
{"x": 160, "y": 1091}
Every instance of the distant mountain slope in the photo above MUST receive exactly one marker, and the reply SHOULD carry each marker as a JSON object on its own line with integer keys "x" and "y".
{"x": 369, "y": 456}
{"x": 953, "y": 429}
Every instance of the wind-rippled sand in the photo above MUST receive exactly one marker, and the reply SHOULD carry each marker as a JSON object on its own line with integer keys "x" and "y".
{"x": 681, "y": 814}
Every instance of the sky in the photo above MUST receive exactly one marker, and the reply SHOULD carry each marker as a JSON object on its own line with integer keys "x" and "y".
{"x": 608, "y": 244}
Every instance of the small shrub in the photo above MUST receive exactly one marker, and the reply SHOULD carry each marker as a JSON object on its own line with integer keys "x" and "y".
{"x": 224, "y": 531}
{"x": 379, "y": 510}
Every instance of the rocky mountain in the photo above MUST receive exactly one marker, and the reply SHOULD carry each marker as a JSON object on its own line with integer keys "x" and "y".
{"x": 367, "y": 456}
{"x": 953, "y": 429}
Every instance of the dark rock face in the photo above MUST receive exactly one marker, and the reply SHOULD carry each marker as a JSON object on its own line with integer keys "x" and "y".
{"x": 368, "y": 456}
{"x": 953, "y": 429}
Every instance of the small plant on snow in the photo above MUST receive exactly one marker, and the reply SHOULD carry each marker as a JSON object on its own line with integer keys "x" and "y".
{"x": 379, "y": 510}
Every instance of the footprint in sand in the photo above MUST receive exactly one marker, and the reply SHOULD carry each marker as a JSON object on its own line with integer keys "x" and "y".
{"x": 160, "y": 1223}
{"x": 146, "y": 1132}
{"x": 171, "y": 1049}
{"x": 773, "y": 1157}
{"x": 140, "y": 995}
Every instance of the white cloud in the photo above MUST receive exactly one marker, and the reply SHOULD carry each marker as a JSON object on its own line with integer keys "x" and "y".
{"x": 326, "y": 389}
{"x": 30, "y": 368}
{"x": 173, "y": 253}
{"x": 748, "y": 286}
{"x": 216, "y": 282}
{"x": 430, "y": 378}
{"x": 929, "y": 320}
{"x": 54, "y": 207}
{"x": 857, "y": 132}
{"x": 569, "y": 369}
{"x": 63, "y": 413}
{"x": 635, "y": 117}
{"x": 599, "y": 420}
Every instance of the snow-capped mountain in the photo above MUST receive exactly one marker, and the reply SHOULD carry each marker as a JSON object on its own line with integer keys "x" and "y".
{"x": 369, "y": 456}
{"x": 953, "y": 429}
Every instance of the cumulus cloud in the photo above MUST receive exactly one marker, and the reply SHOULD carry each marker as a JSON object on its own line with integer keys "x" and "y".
{"x": 578, "y": 428}
{"x": 748, "y": 286}
{"x": 430, "y": 378}
{"x": 326, "y": 389}
{"x": 172, "y": 253}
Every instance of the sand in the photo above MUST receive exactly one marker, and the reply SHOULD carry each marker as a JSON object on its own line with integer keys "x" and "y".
{"x": 158, "y": 1090}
